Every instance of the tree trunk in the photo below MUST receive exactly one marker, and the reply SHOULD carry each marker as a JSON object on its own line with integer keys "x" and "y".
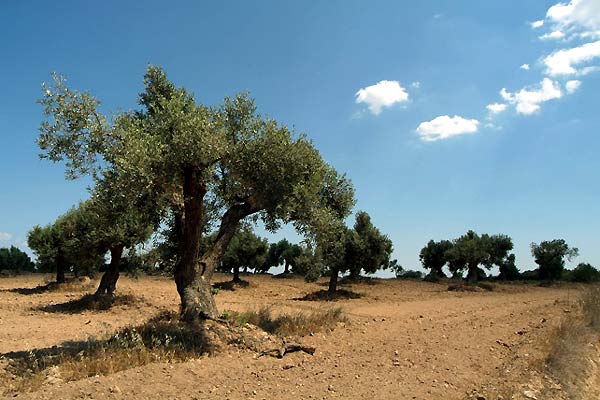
{"x": 192, "y": 275}
{"x": 333, "y": 279}
{"x": 287, "y": 267}
{"x": 472, "y": 274}
{"x": 108, "y": 283}
{"x": 60, "y": 267}
{"x": 236, "y": 274}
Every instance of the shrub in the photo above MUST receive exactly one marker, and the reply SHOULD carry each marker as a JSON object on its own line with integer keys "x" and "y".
{"x": 409, "y": 274}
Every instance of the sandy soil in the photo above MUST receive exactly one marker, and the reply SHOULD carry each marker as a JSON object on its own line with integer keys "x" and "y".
{"x": 404, "y": 340}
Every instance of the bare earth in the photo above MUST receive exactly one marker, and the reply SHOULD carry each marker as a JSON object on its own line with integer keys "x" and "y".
{"x": 404, "y": 340}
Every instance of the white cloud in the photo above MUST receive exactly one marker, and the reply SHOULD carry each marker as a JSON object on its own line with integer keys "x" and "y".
{"x": 537, "y": 24}
{"x": 496, "y": 108}
{"x": 525, "y": 67}
{"x": 527, "y": 101}
{"x": 563, "y": 62}
{"x": 416, "y": 84}
{"x": 4, "y": 236}
{"x": 553, "y": 35}
{"x": 382, "y": 94}
{"x": 582, "y": 15}
{"x": 444, "y": 127}
{"x": 572, "y": 86}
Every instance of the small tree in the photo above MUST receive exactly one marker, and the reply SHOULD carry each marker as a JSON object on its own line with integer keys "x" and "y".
{"x": 468, "y": 251}
{"x": 16, "y": 260}
{"x": 508, "y": 269}
{"x": 550, "y": 256}
{"x": 367, "y": 249}
{"x": 433, "y": 256}
{"x": 353, "y": 250}
{"x": 245, "y": 250}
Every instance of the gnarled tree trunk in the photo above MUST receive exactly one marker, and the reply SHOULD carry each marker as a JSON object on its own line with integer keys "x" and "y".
{"x": 193, "y": 275}
{"x": 108, "y": 283}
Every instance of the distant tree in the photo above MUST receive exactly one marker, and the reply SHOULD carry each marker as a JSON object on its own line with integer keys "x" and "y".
{"x": 282, "y": 252}
{"x": 64, "y": 245}
{"x": 550, "y": 256}
{"x": 367, "y": 249}
{"x": 585, "y": 272}
{"x": 16, "y": 260}
{"x": 362, "y": 248}
{"x": 508, "y": 269}
{"x": 245, "y": 250}
{"x": 433, "y": 256}
{"x": 470, "y": 251}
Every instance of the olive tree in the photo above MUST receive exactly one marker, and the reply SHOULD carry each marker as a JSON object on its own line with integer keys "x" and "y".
{"x": 227, "y": 163}
{"x": 13, "y": 258}
{"x": 550, "y": 256}
{"x": 245, "y": 250}
{"x": 433, "y": 256}
{"x": 367, "y": 249}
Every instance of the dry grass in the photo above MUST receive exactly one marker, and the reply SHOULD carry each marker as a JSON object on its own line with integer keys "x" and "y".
{"x": 162, "y": 339}
{"x": 568, "y": 358}
{"x": 295, "y": 324}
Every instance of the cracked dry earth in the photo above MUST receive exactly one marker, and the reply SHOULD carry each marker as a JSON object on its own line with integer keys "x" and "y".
{"x": 403, "y": 340}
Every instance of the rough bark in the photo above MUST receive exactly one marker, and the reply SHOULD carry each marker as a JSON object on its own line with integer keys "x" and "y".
{"x": 108, "y": 283}
{"x": 192, "y": 273}
{"x": 287, "y": 267}
{"x": 333, "y": 279}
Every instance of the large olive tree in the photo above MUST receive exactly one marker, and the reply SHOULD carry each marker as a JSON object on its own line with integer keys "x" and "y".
{"x": 225, "y": 163}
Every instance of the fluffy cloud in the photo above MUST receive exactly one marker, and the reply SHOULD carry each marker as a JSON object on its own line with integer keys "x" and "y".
{"x": 496, "y": 108}
{"x": 4, "y": 236}
{"x": 382, "y": 94}
{"x": 563, "y": 62}
{"x": 525, "y": 67}
{"x": 577, "y": 15}
{"x": 527, "y": 100}
{"x": 444, "y": 127}
{"x": 572, "y": 86}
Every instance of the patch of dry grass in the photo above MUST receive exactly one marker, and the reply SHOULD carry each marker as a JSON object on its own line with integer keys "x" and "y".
{"x": 162, "y": 339}
{"x": 295, "y": 324}
{"x": 569, "y": 357}
{"x": 471, "y": 287}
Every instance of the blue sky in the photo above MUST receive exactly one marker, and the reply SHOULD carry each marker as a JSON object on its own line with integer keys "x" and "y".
{"x": 394, "y": 93}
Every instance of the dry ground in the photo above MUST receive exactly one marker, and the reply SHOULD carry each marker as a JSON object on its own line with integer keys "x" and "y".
{"x": 404, "y": 340}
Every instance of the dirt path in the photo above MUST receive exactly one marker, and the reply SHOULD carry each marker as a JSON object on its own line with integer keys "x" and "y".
{"x": 405, "y": 340}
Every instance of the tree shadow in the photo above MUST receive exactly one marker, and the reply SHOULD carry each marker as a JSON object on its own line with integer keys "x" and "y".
{"x": 71, "y": 285}
{"x": 231, "y": 285}
{"x": 90, "y": 302}
{"x": 162, "y": 338}
{"x": 326, "y": 295}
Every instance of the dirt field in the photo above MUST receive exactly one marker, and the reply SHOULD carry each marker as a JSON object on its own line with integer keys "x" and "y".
{"x": 404, "y": 340}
